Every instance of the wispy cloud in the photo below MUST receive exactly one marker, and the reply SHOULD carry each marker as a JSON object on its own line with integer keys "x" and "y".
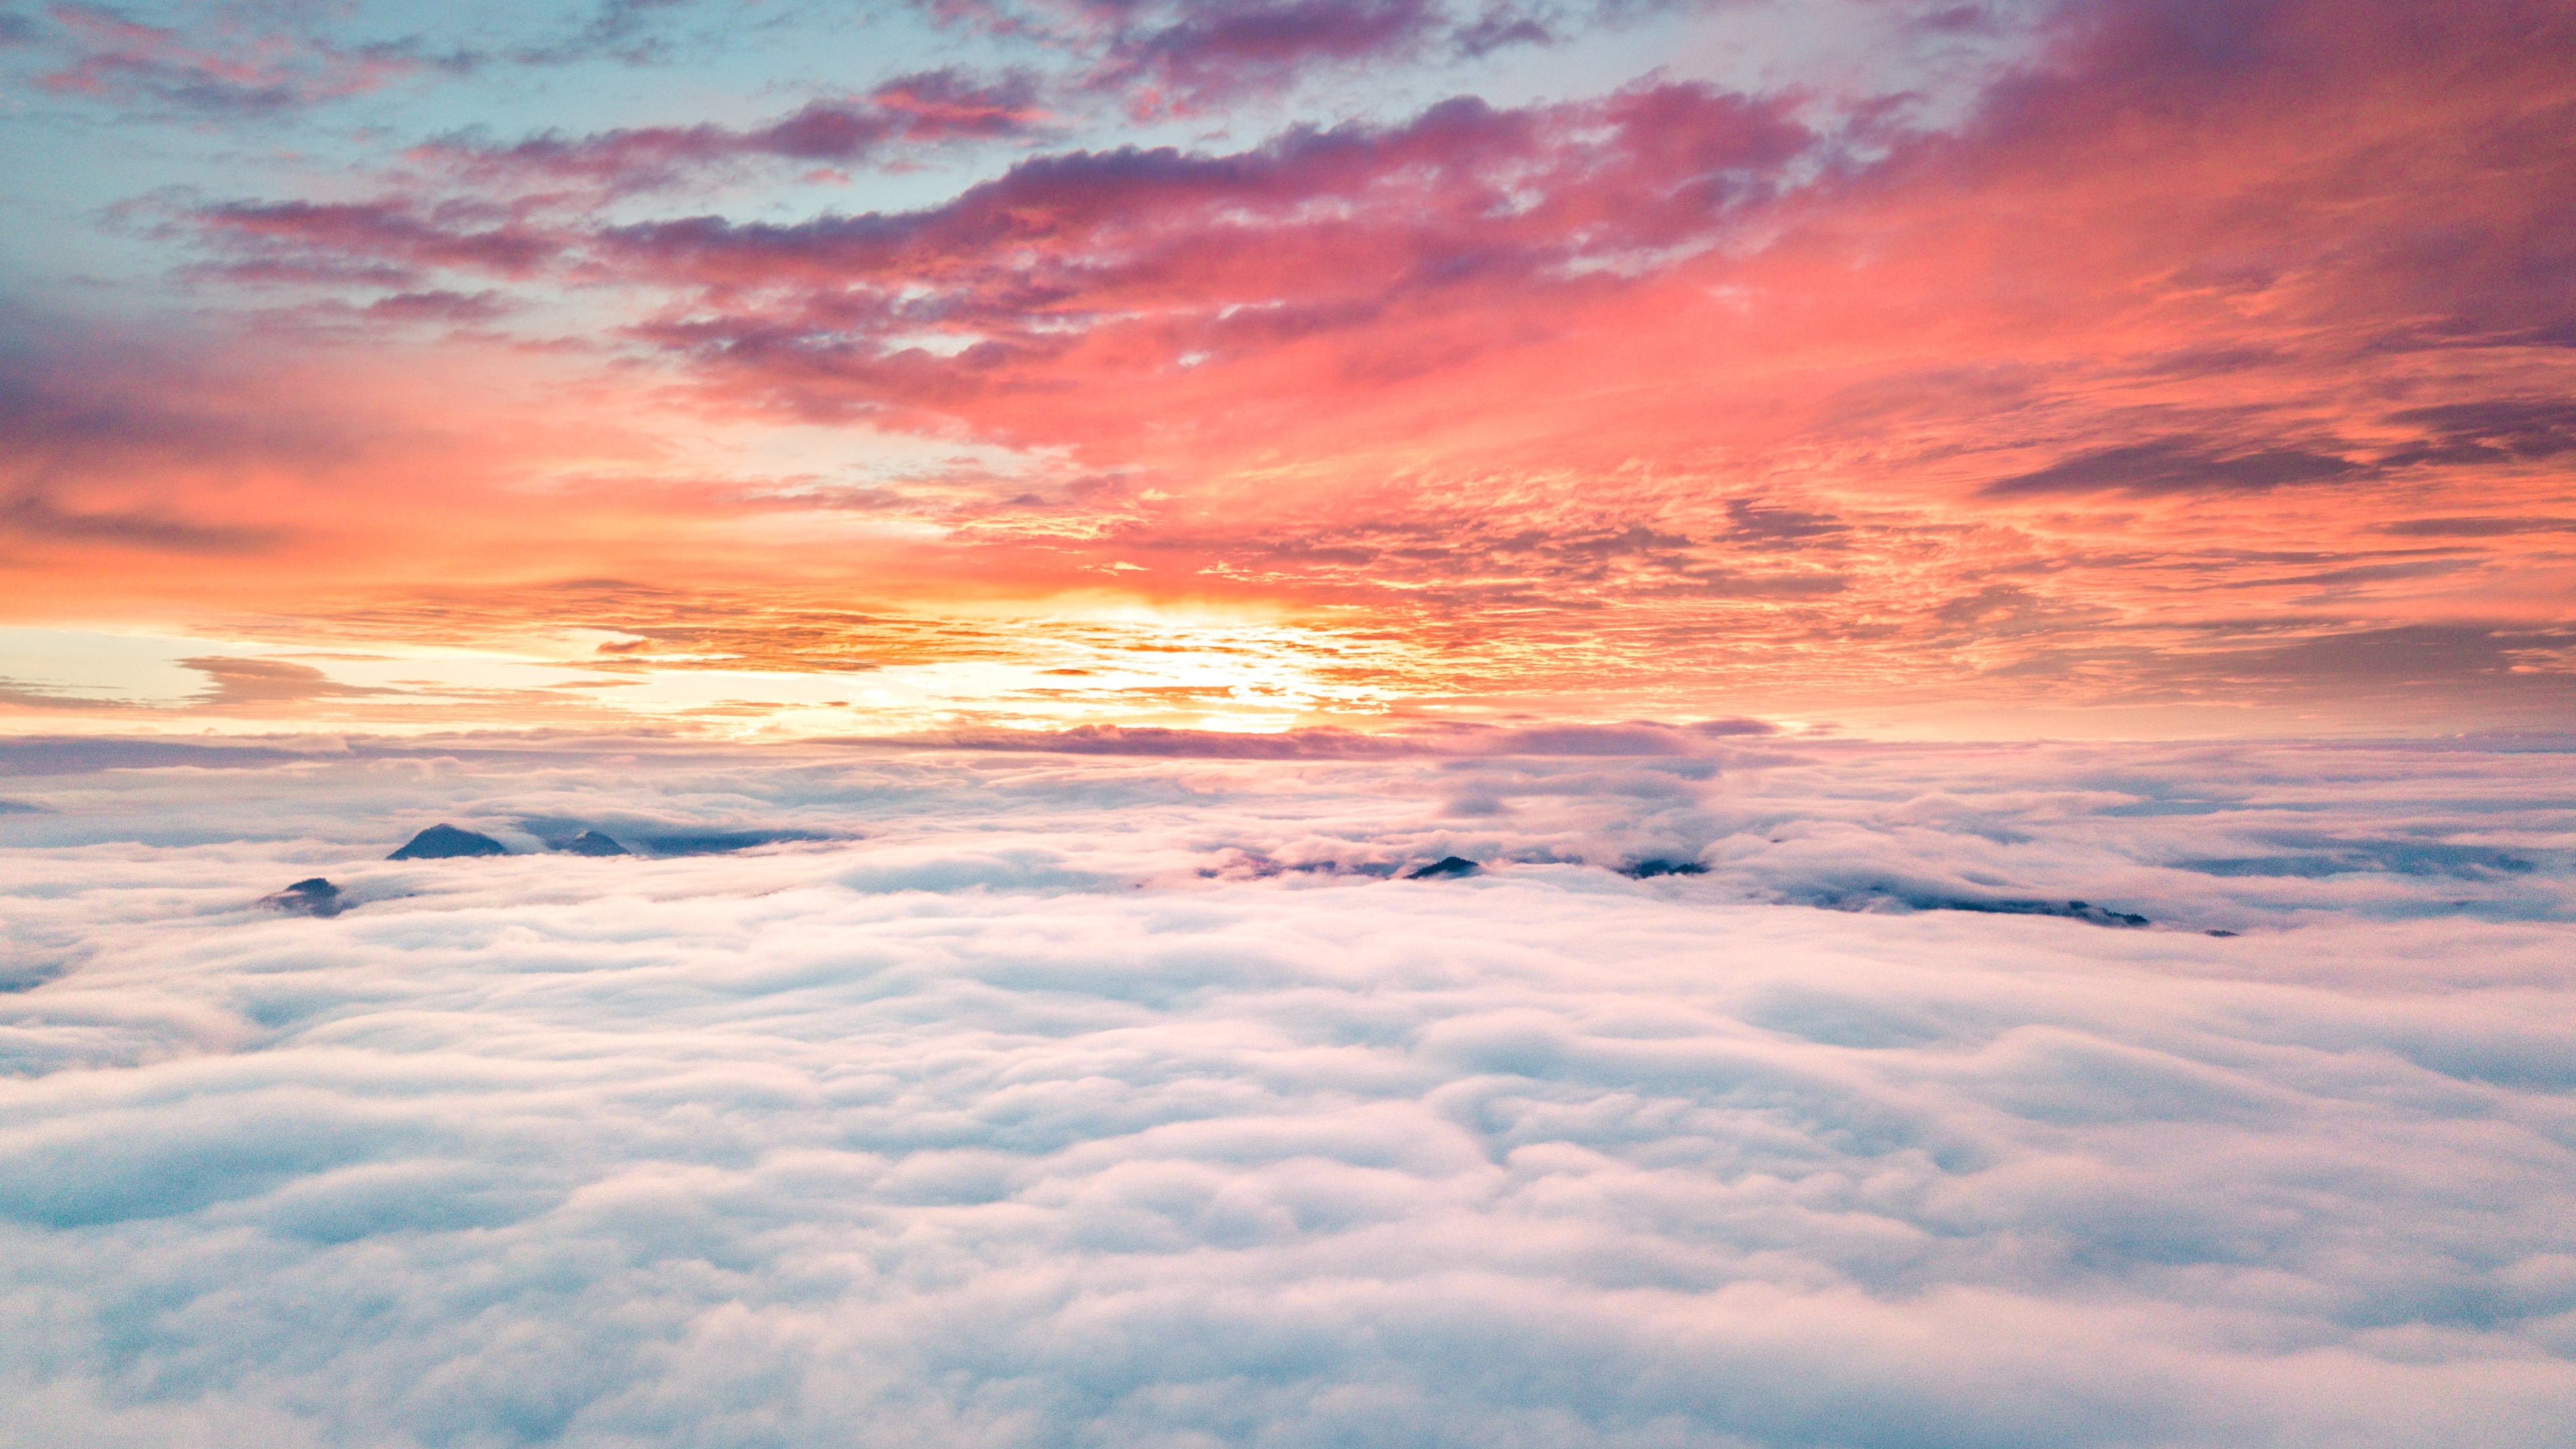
{"x": 1193, "y": 56}
{"x": 915, "y": 111}
{"x": 249, "y": 66}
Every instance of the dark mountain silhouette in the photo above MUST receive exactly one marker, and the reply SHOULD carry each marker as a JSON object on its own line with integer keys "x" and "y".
{"x": 591, "y": 842}
{"x": 1448, "y": 867}
{"x": 2072, "y": 910}
{"x": 446, "y": 842}
{"x": 2086, "y": 911}
{"x": 1649, "y": 869}
{"x": 721, "y": 842}
{"x": 313, "y": 897}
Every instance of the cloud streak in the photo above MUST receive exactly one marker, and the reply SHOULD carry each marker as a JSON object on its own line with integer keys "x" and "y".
{"x": 1190, "y": 57}
{"x": 915, "y": 110}
{"x": 239, "y": 71}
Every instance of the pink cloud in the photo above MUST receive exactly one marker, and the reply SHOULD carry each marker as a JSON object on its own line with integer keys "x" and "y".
{"x": 1192, "y": 56}
{"x": 117, "y": 58}
{"x": 923, "y": 109}
{"x": 370, "y": 241}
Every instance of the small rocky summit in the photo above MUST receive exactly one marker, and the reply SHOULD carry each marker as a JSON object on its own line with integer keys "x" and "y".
{"x": 1447, "y": 867}
{"x": 446, "y": 842}
{"x": 591, "y": 842}
{"x": 2103, "y": 915}
{"x": 314, "y": 897}
{"x": 1649, "y": 869}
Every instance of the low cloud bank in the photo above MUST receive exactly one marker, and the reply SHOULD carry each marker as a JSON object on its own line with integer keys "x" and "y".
{"x": 1051, "y": 1100}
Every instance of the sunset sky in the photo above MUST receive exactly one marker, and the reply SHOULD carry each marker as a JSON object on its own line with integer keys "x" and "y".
{"x": 1296, "y": 724}
{"x": 2098, "y": 368}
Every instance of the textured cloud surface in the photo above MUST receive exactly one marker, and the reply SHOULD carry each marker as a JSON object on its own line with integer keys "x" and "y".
{"x": 1121, "y": 1100}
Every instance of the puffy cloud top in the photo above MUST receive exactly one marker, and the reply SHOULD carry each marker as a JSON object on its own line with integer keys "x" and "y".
{"x": 1084, "y": 1099}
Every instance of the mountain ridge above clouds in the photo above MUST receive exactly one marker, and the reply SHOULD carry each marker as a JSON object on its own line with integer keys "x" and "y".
{"x": 312, "y": 896}
{"x": 447, "y": 842}
{"x": 2194, "y": 836}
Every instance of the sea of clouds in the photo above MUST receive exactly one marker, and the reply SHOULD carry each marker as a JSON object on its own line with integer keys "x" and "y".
{"x": 1123, "y": 1098}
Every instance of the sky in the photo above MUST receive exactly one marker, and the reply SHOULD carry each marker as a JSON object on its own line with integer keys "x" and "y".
{"x": 735, "y": 369}
{"x": 1017, "y": 1098}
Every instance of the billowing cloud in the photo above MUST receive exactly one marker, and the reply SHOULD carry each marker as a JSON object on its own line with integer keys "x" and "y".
{"x": 1090, "y": 1100}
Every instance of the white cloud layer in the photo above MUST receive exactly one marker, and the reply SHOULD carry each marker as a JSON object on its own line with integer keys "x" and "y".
{"x": 1125, "y": 1101}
